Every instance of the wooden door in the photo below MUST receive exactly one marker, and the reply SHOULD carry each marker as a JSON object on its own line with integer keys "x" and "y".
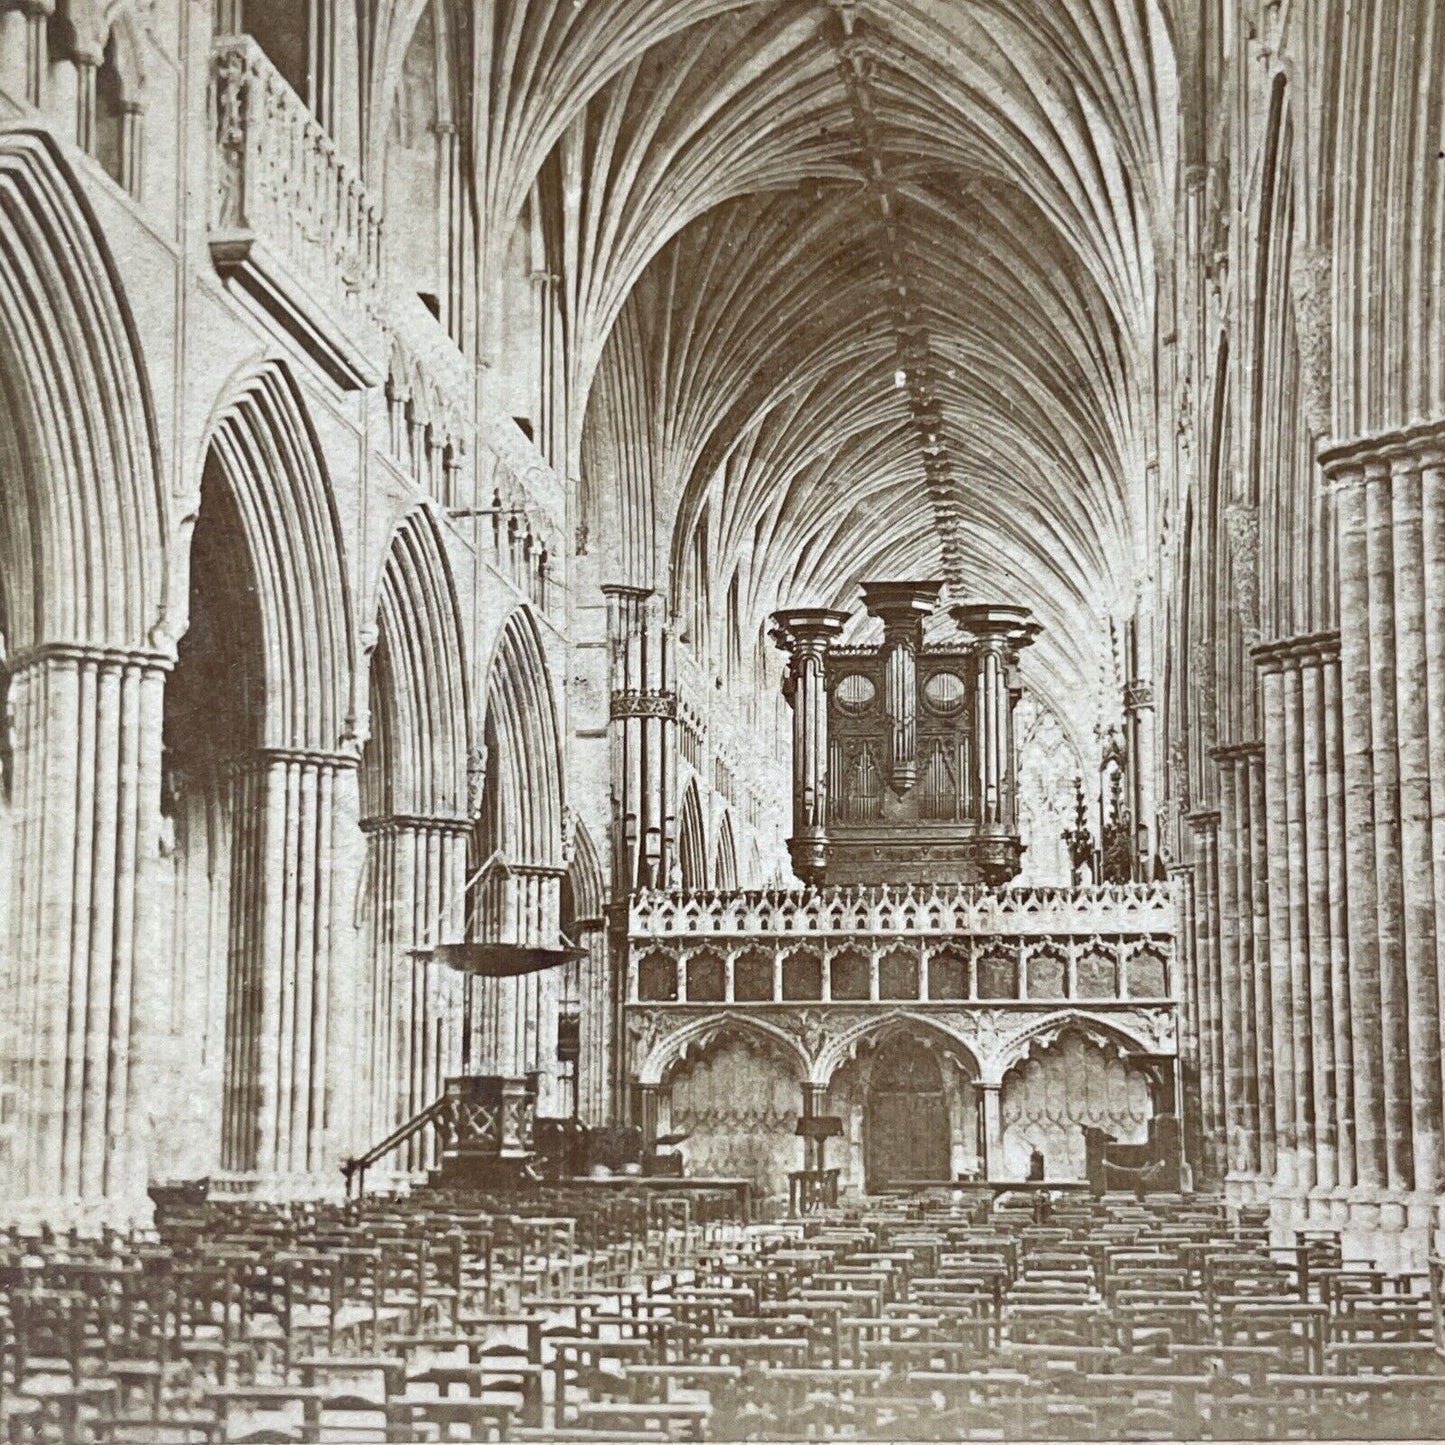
{"x": 906, "y": 1128}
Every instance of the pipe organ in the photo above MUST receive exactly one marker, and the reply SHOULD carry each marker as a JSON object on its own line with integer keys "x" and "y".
{"x": 903, "y": 752}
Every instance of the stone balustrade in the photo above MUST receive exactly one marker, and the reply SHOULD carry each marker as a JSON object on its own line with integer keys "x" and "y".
{"x": 527, "y": 507}
{"x": 429, "y": 401}
{"x": 291, "y": 221}
{"x": 1123, "y": 908}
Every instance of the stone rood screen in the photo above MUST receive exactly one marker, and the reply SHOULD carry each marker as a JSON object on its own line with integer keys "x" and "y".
{"x": 903, "y": 753}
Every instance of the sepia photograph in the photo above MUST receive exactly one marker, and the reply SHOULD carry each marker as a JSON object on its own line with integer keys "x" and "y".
{"x": 722, "y": 720}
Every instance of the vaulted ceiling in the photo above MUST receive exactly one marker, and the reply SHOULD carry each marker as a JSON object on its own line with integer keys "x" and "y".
{"x": 863, "y": 289}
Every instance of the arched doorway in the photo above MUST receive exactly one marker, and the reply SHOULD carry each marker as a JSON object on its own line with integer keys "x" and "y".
{"x": 906, "y": 1124}
{"x": 735, "y": 1095}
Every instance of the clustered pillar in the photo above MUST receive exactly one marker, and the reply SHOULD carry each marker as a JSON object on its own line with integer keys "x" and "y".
{"x": 421, "y": 866}
{"x": 290, "y": 1004}
{"x": 1208, "y": 991}
{"x": 1320, "y": 890}
{"x": 81, "y": 990}
{"x": 1305, "y": 864}
{"x": 1390, "y": 516}
{"x": 1244, "y": 965}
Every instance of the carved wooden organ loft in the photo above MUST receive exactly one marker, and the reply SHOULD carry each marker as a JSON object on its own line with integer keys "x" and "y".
{"x": 903, "y": 752}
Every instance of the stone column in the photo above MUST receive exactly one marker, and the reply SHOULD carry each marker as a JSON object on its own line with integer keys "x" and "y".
{"x": 1210, "y": 994}
{"x": 1139, "y": 719}
{"x": 1296, "y": 884}
{"x": 1188, "y": 972}
{"x": 1236, "y": 966}
{"x": 1257, "y": 844}
{"x": 1282, "y": 1006}
{"x": 81, "y": 984}
{"x": 901, "y": 606}
{"x": 290, "y": 1013}
{"x": 1390, "y": 509}
{"x": 806, "y": 635}
{"x": 1311, "y": 654}
{"x": 1300, "y": 687}
{"x": 1335, "y": 865}
{"x": 990, "y": 1106}
{"x": 647, "y": 1105}
{"x": 419, "y": 871}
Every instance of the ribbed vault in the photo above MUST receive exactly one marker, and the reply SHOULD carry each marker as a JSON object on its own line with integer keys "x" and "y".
{"x": 846, "y": 286}
{"x": 871, "y": 290}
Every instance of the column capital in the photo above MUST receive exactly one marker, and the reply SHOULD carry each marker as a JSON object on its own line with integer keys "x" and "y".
{"x": 627, "y": 590}
{"x": 304, "y": 757}
{"x": 74, "y": 654}
{"x": 1346, "y": 461}
{"x": 1236, "y": 752}
{"x": 1293, "y": 651}
{"x": 397, "y": 823}
{"x": 1204, "y": 821}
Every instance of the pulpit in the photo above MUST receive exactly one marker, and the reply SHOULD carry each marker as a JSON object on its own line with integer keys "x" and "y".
{"x": 486, "y": 1125}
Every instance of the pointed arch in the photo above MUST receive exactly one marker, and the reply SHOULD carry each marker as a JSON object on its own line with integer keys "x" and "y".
{"x": 82, "y": 510}
{"x": 586, "y": 884}
{"x": 415, "y": 761}
{"x": 691, "y": 840}
{"x": 1114, "y": 1031}
{"x": 697, "y": 1034}
{"x": 266, "y": 455}
{"x": 524, "y": 762}
{"x": 725, "y": 856}
{"x": 871, "y": 1030}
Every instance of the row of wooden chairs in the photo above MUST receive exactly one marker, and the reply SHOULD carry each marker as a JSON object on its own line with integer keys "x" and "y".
{"x": 572, "y": 1315}
{"x": 245, "y": 1320}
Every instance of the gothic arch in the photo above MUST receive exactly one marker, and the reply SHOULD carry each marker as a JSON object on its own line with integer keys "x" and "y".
{"x": 872, "y": 1030}
{"x": 670, "y": 1051}
{"x": 396, "y": 34}
{"x": 725, "y": 856}
{"x": 586, "y": 881}
{"x": 524, "y": 769}
{"x": 1093, "y": 1026}
{"x": 270, "y": 461}
{"x": 83, "y": 515}
{"x": 419, "y": 683}
{"x": 691, "y": 840}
